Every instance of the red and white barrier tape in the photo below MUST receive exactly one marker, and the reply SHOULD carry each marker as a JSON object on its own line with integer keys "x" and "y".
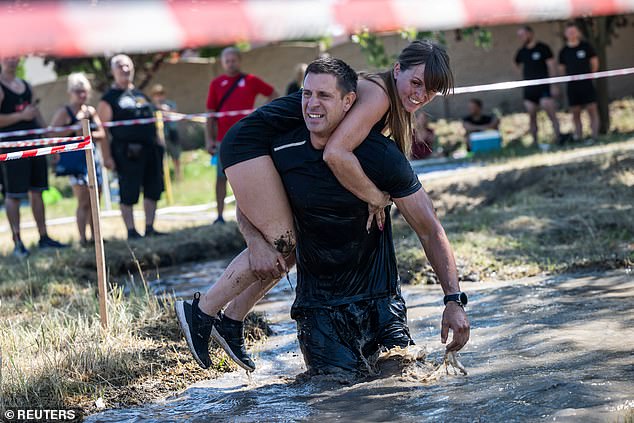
{"x": 551, "y": 80}
{"x": 45, "y": 151}
{"x": 59, "y": 27}
{"x": 44, "y": 141}
{"x": 171, "y": 117}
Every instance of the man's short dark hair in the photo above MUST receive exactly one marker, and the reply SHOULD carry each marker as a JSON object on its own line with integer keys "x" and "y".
{"x": 528, "y": 28}
{"x": 346, "y": 76}
{"x": 477, "y": 102}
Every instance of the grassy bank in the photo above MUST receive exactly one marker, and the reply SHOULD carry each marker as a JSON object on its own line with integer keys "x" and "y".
{"x": 55, "y": 353}
{"x": 532, "y": 216}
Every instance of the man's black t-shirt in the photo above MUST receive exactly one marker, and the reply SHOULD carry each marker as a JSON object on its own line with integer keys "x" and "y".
{"x": 338, "y": 261}
{"x": 481, "y": 120}
{"x": 577, "y": 59}
{"x": 534, "y": 60}
{"x": 130, "y": 104}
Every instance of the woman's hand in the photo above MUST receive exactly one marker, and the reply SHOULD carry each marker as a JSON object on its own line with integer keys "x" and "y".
{"x": 377, "y": 211}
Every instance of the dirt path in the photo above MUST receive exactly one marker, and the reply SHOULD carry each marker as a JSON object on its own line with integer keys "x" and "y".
{"x": 556, "y": 348}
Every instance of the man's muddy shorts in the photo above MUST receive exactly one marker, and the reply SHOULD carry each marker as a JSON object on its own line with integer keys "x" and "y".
{"x": 341, "y": 338}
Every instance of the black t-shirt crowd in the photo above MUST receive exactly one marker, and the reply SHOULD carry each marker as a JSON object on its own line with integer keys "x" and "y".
{"x": 577, "y": 59}
{"x": 534, "y": 60}
{"x": 130, "y": 104}
{"x": 481, "y": 120}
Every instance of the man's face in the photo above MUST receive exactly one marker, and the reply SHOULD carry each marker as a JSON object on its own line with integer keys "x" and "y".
{"x": 10, "y": 64}
{"x": 474, "y": 109}
{"x": 525, "y": 36}
{"x": 572, "y": 34}
{"x": 323, "y": 104}
{"x": 123, "y": 72}
{"x": 231, "y": 63}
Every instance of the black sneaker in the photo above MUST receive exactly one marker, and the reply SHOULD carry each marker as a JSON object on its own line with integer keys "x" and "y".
{"x": 20, "y": 250}
{"x": 47, "y": 242}
{"x": 150, "y": 231}
{"x": 219, "y": 221}
{"x": 196, "y": 327}
{"x": 229, "y": 334}
{"x": 133, "y": 234}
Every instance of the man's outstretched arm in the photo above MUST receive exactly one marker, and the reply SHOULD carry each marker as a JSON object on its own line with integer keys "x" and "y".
{"x": 419, "y": 212}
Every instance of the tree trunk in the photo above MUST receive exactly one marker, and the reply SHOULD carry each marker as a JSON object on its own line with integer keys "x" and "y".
{"x": 599, "y": 37}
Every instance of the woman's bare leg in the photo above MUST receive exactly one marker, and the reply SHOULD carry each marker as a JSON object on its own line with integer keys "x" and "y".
{"x": 243, "y": 303}
{"x": 260, "y": 193}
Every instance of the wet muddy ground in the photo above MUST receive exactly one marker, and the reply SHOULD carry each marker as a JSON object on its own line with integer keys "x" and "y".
{"x": 544, "y": 348}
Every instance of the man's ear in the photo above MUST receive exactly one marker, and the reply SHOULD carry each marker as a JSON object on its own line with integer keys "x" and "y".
{"x": 348, "y": 100}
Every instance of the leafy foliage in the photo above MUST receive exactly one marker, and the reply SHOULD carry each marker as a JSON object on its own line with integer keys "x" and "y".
{"x": 372, "y": 46}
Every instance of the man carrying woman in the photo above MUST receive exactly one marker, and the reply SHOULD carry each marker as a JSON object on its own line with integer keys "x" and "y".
{"x": 384, "y": 102}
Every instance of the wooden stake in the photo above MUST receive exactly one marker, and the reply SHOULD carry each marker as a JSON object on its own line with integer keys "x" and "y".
{"x": 96, "y": 224}
{"x": 160, "y": 133}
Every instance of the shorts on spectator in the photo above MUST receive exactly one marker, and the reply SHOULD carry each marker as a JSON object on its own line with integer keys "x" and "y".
{"x": 143, "y": 168}
{"x": 24, "y": 175}
{"x": 581, "y": 93}
{"x": 536, "y": 93}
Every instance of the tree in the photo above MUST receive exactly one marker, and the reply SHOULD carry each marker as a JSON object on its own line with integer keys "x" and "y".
{"x": 600, "y": 31}
{"x": 146, "y": 66}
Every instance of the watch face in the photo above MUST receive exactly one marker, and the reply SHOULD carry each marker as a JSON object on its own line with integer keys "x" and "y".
{"x": 463, "y": 298}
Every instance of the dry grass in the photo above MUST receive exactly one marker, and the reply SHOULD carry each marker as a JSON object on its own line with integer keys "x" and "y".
{"x": 54, "y": 351}
{"x": 531, "y": 217}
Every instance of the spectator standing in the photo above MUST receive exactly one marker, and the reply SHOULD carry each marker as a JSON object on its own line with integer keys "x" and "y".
{"x": 535, "y": 59}
{"x": 476, "y": 121}
{"x": 137, "y": 156}
{"x": 233, "y": 90}
{"x": 24, "y": 177}
{"x": 170, "y": 128}
{"x": 577, "y": 57}
{"x": 73, "y": 164}
{"x": 296, "y": 83}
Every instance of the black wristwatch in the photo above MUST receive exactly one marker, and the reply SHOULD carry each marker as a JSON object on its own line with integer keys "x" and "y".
{"x": 459, "y": 297}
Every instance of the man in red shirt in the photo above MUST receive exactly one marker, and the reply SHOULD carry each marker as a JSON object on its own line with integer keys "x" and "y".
{"x": 233, "y": 90}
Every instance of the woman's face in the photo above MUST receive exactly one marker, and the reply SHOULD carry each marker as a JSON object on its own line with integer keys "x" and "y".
{"x": 410, "y": 85}
{"x": 79, "y": 95}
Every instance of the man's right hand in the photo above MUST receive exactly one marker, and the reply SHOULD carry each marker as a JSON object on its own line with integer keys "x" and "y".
{"x": 29, "y": 113}
{"x": 265, "y": 261}
{"x": 455, "y": 318}
{"x": 377, "y": 211}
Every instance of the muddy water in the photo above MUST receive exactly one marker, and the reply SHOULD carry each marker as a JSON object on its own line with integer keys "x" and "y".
{"x": 557, "y": 348}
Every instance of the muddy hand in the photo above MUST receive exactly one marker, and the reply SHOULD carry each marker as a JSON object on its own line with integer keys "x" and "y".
{"x": 451, "y": 359}
{"x": 454, "y": 318}
{"x": 265, "y": 261}
{"x": 377, "y": 211}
